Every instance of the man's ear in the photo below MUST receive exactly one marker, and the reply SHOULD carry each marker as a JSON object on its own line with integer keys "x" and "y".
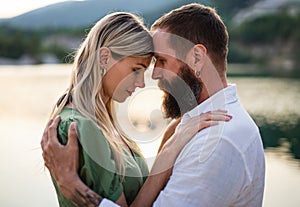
{"x": 199, "y": 59}
{"x": 199, "y": 54}
{"x": 105, "y": 56}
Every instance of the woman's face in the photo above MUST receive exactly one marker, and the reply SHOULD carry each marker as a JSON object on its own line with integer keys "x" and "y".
{"x": 123, "y": 77}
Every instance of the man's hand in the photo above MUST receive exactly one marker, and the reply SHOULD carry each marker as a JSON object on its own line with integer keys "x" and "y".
{"x": 62, "y": 161}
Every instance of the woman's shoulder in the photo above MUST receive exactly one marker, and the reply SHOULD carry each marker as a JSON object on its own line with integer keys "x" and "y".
{"x": 66, "y": 118}
{"x": 69, "y": 115}
{"x": 84, "y": 125}
{"x": 88, "y": 130}
{"x": 90, "y": 135}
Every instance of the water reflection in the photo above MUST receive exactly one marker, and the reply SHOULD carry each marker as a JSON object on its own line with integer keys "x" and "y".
{"x": 281, "y": 132}
{"x": 29, "y": 92}
{"x": 274, "y": 104}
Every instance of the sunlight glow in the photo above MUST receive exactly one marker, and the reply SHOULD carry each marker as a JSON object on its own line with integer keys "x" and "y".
{"x": 11, "y": 8}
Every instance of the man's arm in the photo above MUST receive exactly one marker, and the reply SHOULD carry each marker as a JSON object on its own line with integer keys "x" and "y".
{"x": 80, "y": 194}
{"x": 71, "y": 185}
{"x": 76, "y": 191}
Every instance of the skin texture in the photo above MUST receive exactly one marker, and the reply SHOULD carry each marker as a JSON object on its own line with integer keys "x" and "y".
{"x": 167, "y": 65}
{"x": 168, "y": 133}
{"x": 123, "y": 76}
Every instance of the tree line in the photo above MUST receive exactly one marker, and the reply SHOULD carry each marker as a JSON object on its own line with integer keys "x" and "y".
{"x": 279, "y": 32}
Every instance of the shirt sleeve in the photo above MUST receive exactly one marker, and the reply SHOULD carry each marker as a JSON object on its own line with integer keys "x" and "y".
{"x": 97, "y": 166}
{"x": 108, "y": 203}
{"x": 210, "y": 182}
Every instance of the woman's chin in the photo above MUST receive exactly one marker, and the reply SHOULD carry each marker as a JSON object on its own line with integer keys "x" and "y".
{"x": 120, "y": 99}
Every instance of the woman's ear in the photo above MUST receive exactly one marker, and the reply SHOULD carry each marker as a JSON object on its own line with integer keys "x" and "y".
{"x": 105, "y": 55}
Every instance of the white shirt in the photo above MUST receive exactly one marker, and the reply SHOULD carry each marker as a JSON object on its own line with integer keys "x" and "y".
{"x": 223, "y": 165}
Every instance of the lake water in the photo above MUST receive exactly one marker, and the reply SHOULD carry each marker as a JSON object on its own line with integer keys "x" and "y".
{"x": 29, "y": 92}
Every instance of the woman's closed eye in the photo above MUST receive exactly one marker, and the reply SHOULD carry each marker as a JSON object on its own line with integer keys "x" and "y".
{"x": 137, "y": 70}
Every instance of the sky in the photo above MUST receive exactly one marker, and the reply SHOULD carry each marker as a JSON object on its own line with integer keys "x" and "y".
{"x": 10, "y": 8}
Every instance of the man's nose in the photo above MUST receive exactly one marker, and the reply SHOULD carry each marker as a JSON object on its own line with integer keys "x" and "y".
{"x": 157, "y": 73}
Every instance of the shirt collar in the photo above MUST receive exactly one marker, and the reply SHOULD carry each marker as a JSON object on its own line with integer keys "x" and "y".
{"x": 217, "y": 101}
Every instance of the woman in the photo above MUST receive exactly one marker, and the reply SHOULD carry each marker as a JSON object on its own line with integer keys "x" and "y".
{"x": 108, "y": 67}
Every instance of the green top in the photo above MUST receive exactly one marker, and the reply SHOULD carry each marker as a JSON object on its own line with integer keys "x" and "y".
{"x": 97, "y": 168}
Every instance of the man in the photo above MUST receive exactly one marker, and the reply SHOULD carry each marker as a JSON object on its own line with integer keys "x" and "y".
{"x": 220, "y": 166}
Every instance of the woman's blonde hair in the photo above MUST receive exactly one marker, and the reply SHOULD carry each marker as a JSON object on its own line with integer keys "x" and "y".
{"x": 125, "y": 35}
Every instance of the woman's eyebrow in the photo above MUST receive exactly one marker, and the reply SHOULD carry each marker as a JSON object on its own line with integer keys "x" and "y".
{"x": 143, "y": 65}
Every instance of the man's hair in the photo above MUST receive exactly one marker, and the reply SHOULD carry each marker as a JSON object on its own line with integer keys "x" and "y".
{"x": 198, "y": 24}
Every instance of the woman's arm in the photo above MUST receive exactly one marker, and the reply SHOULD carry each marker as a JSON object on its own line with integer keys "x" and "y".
{"x": 76, "y": 191}
{"x": 163, "y": 165}
{"x": 169, "y": 132}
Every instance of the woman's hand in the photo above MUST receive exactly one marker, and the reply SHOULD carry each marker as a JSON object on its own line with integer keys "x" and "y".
{"x": 163, "y": 164}
{"x": 182, "y": 135}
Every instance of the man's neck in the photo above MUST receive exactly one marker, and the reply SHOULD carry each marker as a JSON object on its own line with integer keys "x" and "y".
{"x": 211, "y": 86}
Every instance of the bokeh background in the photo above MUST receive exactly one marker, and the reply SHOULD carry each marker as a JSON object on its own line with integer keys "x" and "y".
{"x": 38, "y": 39}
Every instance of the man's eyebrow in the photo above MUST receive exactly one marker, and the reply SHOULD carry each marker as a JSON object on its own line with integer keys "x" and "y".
{"x": 158, "y": 56}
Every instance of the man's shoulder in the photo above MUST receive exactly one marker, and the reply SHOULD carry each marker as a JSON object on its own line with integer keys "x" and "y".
{"x": 236, "y": 136}
{"x": 204, "y": 143}
{"x": 241, "y": 130}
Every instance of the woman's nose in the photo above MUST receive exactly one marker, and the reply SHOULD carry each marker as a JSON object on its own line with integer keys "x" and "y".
{"x": 140, "y": 82}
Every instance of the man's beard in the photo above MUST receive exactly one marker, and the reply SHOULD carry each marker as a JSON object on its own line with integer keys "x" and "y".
{"x": 181, "y": 94}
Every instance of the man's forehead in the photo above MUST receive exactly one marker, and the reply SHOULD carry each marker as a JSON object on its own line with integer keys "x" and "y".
{"x": 164, "y": 42}
{"x": 159, "y": 55}
{"x": 161, "y": 36}
{"x": 161, "y": 43}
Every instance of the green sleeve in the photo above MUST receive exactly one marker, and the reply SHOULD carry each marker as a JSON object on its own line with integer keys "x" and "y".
{"x": 97, "y": 166}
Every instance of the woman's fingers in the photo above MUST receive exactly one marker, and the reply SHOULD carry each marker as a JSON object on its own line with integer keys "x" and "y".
{"x": 187, "y": 130}
{"x": 206, "y": 124}
{"x": 219, "y": 115}
{"x": 221, "y": 111}
{"x": 208, "y": 119}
